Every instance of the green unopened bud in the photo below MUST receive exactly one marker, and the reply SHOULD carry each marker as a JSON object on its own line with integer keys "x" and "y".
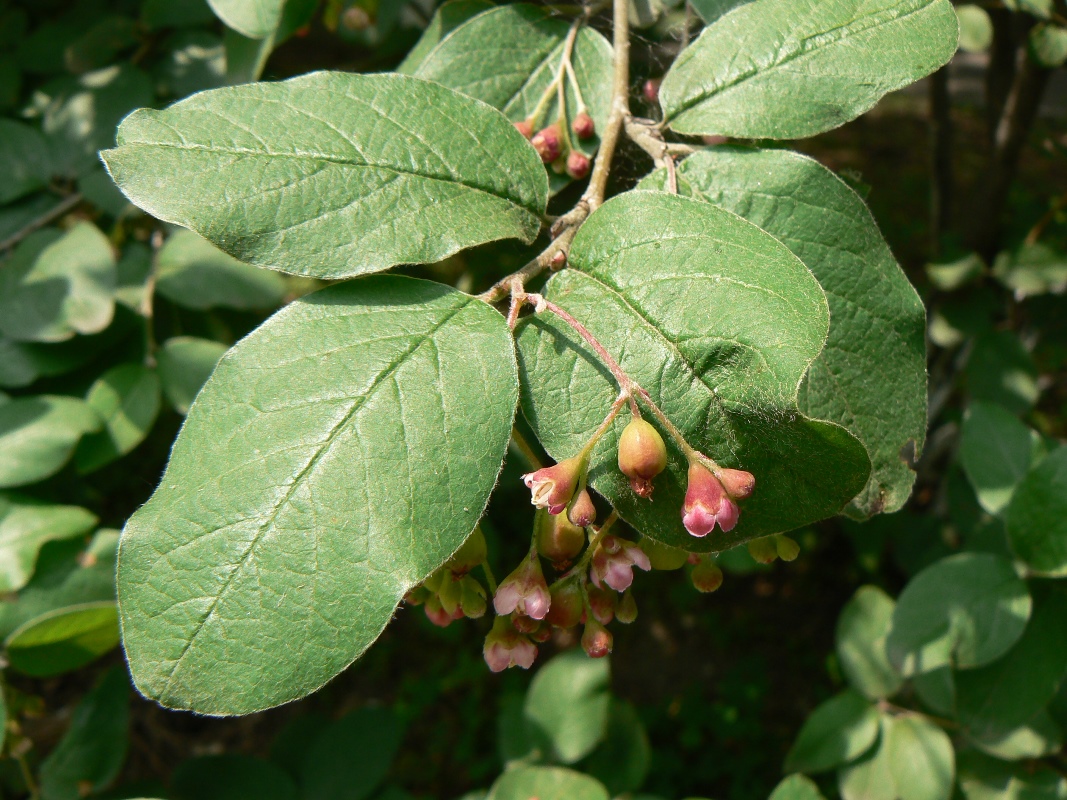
{"x": 763, "y": 550}
{"x": 470, "y": 554}
{"x": 662, "y": 556}
{"x": 417, "y": 596}
{"x": 450, "y": 593}
{"x": 558, "y": 539}
{"x": 787, "y": 549}
{"x": 626, "y": 610}
{"x": 566, "y": 608}
{"x": 642, "y": 455}
{"x": 706, "y": 576}
{"x": 472, "y": 598}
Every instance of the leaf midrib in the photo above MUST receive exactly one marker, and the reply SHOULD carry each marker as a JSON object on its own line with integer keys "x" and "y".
{"x": 842, "y": 31}
{"x": 297, "y": 481}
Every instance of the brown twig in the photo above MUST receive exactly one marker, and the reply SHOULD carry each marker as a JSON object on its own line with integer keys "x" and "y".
{"x": 65, "y": 205}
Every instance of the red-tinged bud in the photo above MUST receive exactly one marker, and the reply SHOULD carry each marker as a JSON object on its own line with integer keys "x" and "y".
{"x": 596, "y": 639}
{"x": 566, "y": 608}
{"x": 787, "y": 549}
{"x": 737, "y": 483}
{"x": 662, "y": 556}
{"x": 642, "y": 455}
{"x": 577, "y": 165}
{"x": 524, "y": 624}
{"x": 435, "y": 613}
{"x": 505, "y": 647}
{"x": 553, "y": 487}
{"x": 558, "y": 539}
{"x": 613, "y": 562}
{"x": 583, "y": 126}
{"x": 602, "y": 604}
{"x": 548, "y": 142}
{"x": 763, "y": 550}
{"x": 651, "y": 89}
{"x": 470, "y": 554}
{"x": 706, "y": 576}
{"x": 524, "y": 590}
{"x": 706, "y": 503}
{"x": 472, "y": 598}
{"x": 525, "y": 127}
{"x": 582, "y": 511}
{"x": 417, "y": 596}
{"x": 626, "y": 611}
{"x": 542, "y": 634}
{"x": 558, "y": 262}
{"x": 450, "y": 594}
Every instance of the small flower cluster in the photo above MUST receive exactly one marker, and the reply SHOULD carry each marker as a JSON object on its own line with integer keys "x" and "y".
{"x": 450, "y": 593}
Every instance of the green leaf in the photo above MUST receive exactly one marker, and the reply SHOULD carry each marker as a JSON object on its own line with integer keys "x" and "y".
{"x": 1038, "y": 8}
{"x": 861, "y": 635}
{"x": 952, "y": 275}
{"x": 101, "y": 44}
{"x": 838, "y": 731}
{"x": 24, "y": 160}
{"x": 194, "y": 60}
{"x": 3, "y": 717}
{"x": 127, "y": 398}
{"x": 1039, "y": 737}
{"x": 231, "y": 777}
{"x": 1000, "y": 370}
{"x": 66, "y": 573}
{"x": 719, "y": 322}
{"x": 79, "y": 115}
{"x": 566, "y": 708}
{"x": 350, "y": 758}
{"x": 25, "y": 525}
{"x": 937, "y": 690}
{"x": 1037, "y": 516}
{"x": 871, "y": 375}
{"x": 92, "y": 751}
{"x": 446, "y": 19}
{"x": 796, "y": 787}
{"x": 58, "y": 284}
{"x": 1033, "y": 269}
{"x": 782, "y": 69}
{"x": 255, "y": 19}
{"x": 976, "y": 29}
{"x": 1048, "y": 46}
{"x": 38, "y": 435}
{"x": 337, "y": 456}
{"x": 508, "y": 57}
{"x": 985, "y": 778}
{"x": 1005, "y": 694}
{"x": 333, "y": 174}
{"x": 185, "y": 363}
{"x": 966, "y": 610}
{"x": 622, "y": 760}
{"x": 914, "y": 760}
{"x": 996, "y": 451}
{"x": 711, "y": 10}
{"x": 63, "y": 640}
{"x": 546, "y": 783}
{"x": 192, "y": 272}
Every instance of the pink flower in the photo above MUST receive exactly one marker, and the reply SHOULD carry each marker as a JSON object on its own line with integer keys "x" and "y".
{"x": 707, "y": 504}
{"x": 505, "y": 647}
{"x": 613, "y": 563}
{"x": 553, "y": 487}
{"x": 524, "y": 590}
{"x": 596, "y": 639}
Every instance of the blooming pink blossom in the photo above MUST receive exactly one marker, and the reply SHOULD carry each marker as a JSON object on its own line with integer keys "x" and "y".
{"x": 524, "y": 590}
{"x": 613, "y": 563}
{"x": 505, "y": 647}
{"x": 707, "y": 504}
{"x": 553, "y": 487}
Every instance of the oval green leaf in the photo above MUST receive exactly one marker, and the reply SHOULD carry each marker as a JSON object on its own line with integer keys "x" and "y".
{"x": 185, "y": 363}
{"x": 787, "y": 69}
{"x": 337, "y": 456}
{"x": 965, "y": 611}
{"x": 63, "y": 640}
{"x": 546, "y": 783}
{"x": 871, "y": 376}
{"x": 838, "y": 731}
{"x": 127, "y": 398}
{"x": 914, "y": 760}
{"x": 719, "y": 322}
{"x": 24, "y": 160}
{"x": 333, "y": 174}
{"x": 566, "y": 709}
{"x": 796, "y": 787}
{"x": 1037, "y": 516}
{"x": 996, "y": 450}
{"x": 25, "y": 525}
{"x": 861, "y": 634}
{"x": 39, "y": 434}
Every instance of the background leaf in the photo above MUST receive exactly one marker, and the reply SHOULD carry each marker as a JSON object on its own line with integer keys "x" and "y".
{"x": 337, "y": 456}
{"x": 914, "y": 760}
{"x": 446, "y": 19}
{"x": 232, "y": 776}
{"x": 623, "y": 759}
{"x": 38, "y": 435}
{"x": 985, "y": 778}
{"x": 996, "y": 451}
{"x": 786, "y": 69}
{"x": 871, "y": 375}
{"x": 966, "y": 610}
{"x": 840, "y": 730}
{"x": 1000, "y": 370}
{"x": 1037, "y": 516}
{"x": 861, "y": 635}
{"x": 127, "y": 399}
{"x": 64, "y": 640}
{"x": 24, "y": 160}
{"x": 796, "y": 787}
{"x": 566, "y": 709}
{"x": 25, "y": 526}
{"x": 348, "y": 759}
{"x": 718, "y": 321}
{"x": 546, "y": 783}
{"x": 185, "y": 363}
{"x": 333, "y": 174}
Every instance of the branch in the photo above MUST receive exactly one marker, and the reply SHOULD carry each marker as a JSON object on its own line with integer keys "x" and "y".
{"x": 65, "y": 205}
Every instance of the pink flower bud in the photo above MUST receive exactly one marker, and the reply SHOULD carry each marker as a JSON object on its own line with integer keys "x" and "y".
{"x": 626, "y": 611}
{"x": 548, "y": 142}
{"x": 558, "y": 262}
{"x": 737, "y": 483}
{"x": 596, "y": 639}
{"x": 642, "y": 455}
{"x": 525, "y": 127}
{"x": 524, "y": 590}
{"x": 436, "y": 613}
{"x": 706, "y": 576}
{"x": 558, "y": 539}
{"x": 583, "y": 126}
{"x": 651, "y": 89}
{"x": 706, "y": 504}
{"x": 613, "y": 563}
{"x": 577, "y": 165}
{"x": 505, "y": 647}
{"x": 582, "y": 511}
{"x": 602, "y": 604}
{"x": 566, "y": 608}
{"x": 553, "y": 487}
